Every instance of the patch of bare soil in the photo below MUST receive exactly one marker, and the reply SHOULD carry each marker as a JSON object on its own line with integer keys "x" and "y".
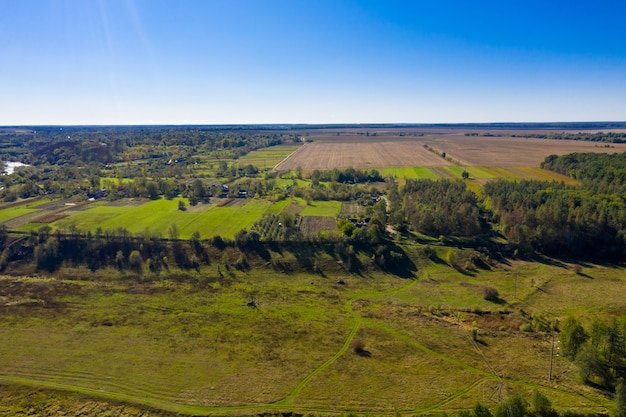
{"x": 26, "y": 292}
{"x": 50, "y": 217}
{"x": 232, "y": 202}
{"x": 327, "y": 155}
{"x": 128, "y": 202}
{"x": 311, "y": 226}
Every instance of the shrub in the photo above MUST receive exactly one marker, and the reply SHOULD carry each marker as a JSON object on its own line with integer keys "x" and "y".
{"x": 491, "y": 294}
{"x": 526, "y": 327}
{"x": 358, "y": 346}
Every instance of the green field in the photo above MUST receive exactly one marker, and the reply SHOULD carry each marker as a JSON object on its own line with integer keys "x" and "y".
{"x": 268, "y": 157}
{"x": 21, "y": 209}
{"x": 322, "y": 209}
{"x": 157, "y": 216}
{"x": 408, "y": 172}
{"x": 199, "y": 349}
{"x": 480, "y": 173}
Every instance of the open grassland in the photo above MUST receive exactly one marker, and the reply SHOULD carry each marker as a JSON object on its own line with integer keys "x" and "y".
{"x": 195, "y": 346}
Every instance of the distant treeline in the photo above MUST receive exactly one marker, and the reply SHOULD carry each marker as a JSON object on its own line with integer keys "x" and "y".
{"x": 607, "y": 137}
{"x": 106, "y": 144}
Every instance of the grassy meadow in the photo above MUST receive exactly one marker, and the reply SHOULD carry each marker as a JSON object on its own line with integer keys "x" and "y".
{"x": 192, "y": 345}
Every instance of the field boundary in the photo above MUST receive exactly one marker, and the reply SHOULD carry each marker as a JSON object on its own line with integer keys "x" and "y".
{"x": 290, "y": 156}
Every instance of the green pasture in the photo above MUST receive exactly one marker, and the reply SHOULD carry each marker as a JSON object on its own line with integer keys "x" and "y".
{"x": 104, "y": 181}
{"x": 159, "y": 215}
{"x": 322, "y": 209}
{"x": 408, "y": 172}
{"x": 545, "y": 175}
{"x": 20, "y": 210}
{"x": 474, "y": 172}
{"x": 499, "y": 172}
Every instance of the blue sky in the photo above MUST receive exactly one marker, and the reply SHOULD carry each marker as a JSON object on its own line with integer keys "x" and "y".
{"x": 315, "y": 61}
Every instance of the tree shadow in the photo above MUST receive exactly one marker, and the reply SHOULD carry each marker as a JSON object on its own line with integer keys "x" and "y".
{"x": 363, "y": 353}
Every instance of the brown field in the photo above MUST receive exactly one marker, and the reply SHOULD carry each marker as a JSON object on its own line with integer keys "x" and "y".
{"x": 351, "y": 209}
{"x": 51, "y": 217}
{"x": 355, "y": 150}
{"x": 360, "y": 155}
{"x": 311, "y": 226}
{"x": 513, "y": 152}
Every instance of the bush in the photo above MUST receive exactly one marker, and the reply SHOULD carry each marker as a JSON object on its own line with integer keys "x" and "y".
{"x": 491, "y": 294}
{"x": 358, "y": 346}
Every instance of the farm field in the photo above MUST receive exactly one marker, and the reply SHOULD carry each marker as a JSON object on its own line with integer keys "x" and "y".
{"x": 322, "y": 209}
{"x": 268, "y": 157}
{"x": 513, "y": 152}
{"x": 389, "y": 152}
{"x": 324, "y": 156}
{"x": 200, "y": 349}
{"x": 17, "y": 210}
{"x": 224, "y": 218}
{"x": 158, "y": 216}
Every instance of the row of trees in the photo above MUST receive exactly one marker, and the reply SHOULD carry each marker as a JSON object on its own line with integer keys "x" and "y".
{"x": 111, "y": 248}
{"x": 347, "y": 176}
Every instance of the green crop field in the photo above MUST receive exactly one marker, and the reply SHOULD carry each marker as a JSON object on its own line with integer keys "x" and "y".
{"x": 21, "y": 209}
{"x": 157, "y": 216}
{"x": 408, "y": 172}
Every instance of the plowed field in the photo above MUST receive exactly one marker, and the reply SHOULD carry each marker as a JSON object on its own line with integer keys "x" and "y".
{"x": 361, "y": 155}
{"x": 394, "y": 151}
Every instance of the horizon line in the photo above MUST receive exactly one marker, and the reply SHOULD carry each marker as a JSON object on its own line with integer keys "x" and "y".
{"x": 555, "y": 124}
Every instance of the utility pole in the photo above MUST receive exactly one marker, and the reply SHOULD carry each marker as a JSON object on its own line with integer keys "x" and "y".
{"x": 551, "y": 358}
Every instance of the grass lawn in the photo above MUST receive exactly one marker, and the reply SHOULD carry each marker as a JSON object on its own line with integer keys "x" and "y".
{"x": 322, "y": 209}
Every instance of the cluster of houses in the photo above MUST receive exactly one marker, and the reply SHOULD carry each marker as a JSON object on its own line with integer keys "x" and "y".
{"x": 360, "y": 223}
{"x": 240, "y": 194}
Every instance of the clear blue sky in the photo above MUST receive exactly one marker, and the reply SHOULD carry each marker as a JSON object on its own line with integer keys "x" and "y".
{"x": 314, "y": 61}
